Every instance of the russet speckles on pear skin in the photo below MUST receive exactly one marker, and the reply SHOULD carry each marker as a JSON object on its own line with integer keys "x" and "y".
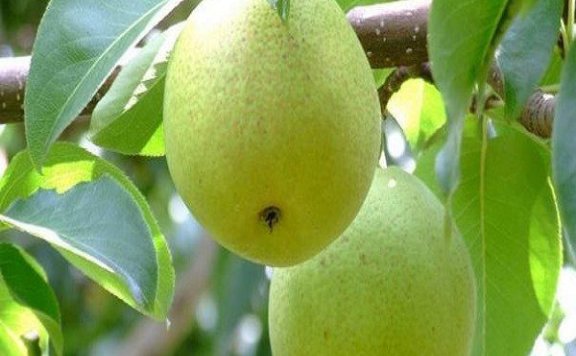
{"x": 392, "y": 284}
{"x": 279, "y": 121}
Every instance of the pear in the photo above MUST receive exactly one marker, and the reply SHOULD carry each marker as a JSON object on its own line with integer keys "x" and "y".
{"x": 272, "y": 127}
{"x": 393, "y": 284}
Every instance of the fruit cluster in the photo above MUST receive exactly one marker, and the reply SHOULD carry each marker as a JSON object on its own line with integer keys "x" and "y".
{"x": 272, "y": 130}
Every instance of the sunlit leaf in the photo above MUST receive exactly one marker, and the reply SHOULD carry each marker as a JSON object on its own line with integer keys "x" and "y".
{"x": 99, "y": 224}
{"x": 28, "y": 306}
{"x": 10, "y": 344}
{"x": 67, "y": 166}
{"x": 419, "y": 110}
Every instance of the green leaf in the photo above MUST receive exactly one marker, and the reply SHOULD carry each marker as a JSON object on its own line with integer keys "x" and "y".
{"x": 525, "y": 52}
{"x": 564, "y": 147}
{"x": 433, "y": 116}
{"x": 10, "y": 344}
{"x": 27, "y": 303}
{"x": 419, "y": 110}
{"x": 101, "y": 225}
{"x": 380, "y": 75}
{"x": 282, "y": 7}
{"x": 349, "y": 4}
{"x": 406, "y": 107}
{"x": 77, "y": 46}
{"x": 462, "y": 39}
{"x": 554, "y": 70}
{"x": 128, "y": 119}
{"x": 68, "y": 165}
{"x": 506, "y": 212}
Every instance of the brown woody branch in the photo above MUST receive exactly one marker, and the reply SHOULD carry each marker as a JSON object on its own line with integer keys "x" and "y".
{"x": 536, "y": 117}
{"x": 392, "y": 35}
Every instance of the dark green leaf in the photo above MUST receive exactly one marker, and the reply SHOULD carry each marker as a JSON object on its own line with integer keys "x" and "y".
{"x": 349, "y": 4}
{"x": 525, "y": 52}
{"x": 282, "y": 7}
{"x": 100, "y": 223}
{"x": 128, "y": 119}
{"x": 27, "y": 303}
{"x": 462, "y": 39}
{"x": 564, "y": 148}
{"x": 77, "y": 46}
{"x": 506, "y": 211}
{"x": 68, "y": 165}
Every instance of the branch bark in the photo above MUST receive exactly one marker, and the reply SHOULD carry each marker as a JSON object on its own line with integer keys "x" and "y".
{"x": 392, "y": 35}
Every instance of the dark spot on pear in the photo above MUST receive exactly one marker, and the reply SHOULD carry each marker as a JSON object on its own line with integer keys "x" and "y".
{"x": 270, "y": 216}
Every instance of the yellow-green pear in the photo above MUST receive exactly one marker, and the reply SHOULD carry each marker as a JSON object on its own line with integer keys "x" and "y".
{"x": 271, "y": 127}
{"x": 393, "y": 284}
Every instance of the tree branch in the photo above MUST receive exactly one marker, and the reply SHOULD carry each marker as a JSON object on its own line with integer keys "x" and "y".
{"x": 392, "y": 35}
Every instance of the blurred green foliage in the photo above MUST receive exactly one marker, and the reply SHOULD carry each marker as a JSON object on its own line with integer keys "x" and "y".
{"x": 18, "y": 22}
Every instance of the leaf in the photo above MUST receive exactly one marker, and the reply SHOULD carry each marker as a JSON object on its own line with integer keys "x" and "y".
{"x": 380, "y": 75}
{"x": 99, "y": 225}
{"x": 525, "y": 52}
{"x": 506, "y": 212}
{"x": 10, "y": 344}
{"x": 433, "y": 116}
{"x": 128, "y": 119}
{"x": 349, "y": 4}
{"x": 67, "y": 166}
{"x": 406, "y": 107}
{"x": 27, "y": 303}
{"x": 77, "y": 46}
{"x": 282, "y": 7}
{"x": 554, "y": 70}
{"x": 419, "y": 110}
{"x": 462, "y": 39}
{"x": 563, "y": 148}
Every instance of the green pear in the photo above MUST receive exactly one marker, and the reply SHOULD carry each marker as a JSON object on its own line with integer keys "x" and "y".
{"x": 272, "y": 127}
{"x": 393, "y": 284}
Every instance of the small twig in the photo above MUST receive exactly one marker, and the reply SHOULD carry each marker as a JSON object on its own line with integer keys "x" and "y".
{"x": 538, "y": 114}
{"x": 536, "y": 117}
{"x": 395, "y": 80}
{"x": 392, "y": 34}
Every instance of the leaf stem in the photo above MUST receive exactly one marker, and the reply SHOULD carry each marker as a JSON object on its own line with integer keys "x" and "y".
{"x": 552, "y": 88}
{"x": 570, "y": 24}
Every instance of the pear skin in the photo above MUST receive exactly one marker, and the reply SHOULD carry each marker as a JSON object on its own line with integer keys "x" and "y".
{"x": 272, "y": 127}
{"x": 393, "y": 284}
